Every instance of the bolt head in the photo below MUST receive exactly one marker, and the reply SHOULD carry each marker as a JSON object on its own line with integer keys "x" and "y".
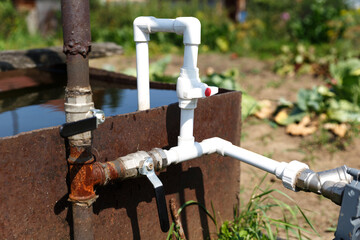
{"x": 351, "y": 193}
{"x": 150, "y": 167}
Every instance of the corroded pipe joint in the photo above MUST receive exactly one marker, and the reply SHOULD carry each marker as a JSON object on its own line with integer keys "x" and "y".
{"x": 76, "y": 27}
{"x": 80, "y": 155}
{"x": 111, "y": 171}
{"x": 83, "y": 178}
{"x": 84, "y": 175}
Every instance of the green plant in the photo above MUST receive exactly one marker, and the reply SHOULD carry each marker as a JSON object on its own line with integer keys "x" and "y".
{"x": 304, "y": 59}
{"x": 346, "y": 79}
{"x": 11, "y": 20}
{"x": 310, "y": 22}
{"x": 255, "y": 221}
{"x": 225, "y": 80}
{"x": 156, "y": 71}
{"x": 14, "y": 33}
{"x": 174, "y": 231}
{"x": 321, "y": 101}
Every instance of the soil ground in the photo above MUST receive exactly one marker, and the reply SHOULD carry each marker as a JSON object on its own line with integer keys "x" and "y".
{"x": 259, "y": 136}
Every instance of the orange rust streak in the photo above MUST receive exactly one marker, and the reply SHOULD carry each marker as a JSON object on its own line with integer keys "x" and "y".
{"x": 85, "y": 173}
{"x": 82, "y": 184}
{"x": 112, "y": 170}
{"x": 84, "y": 177}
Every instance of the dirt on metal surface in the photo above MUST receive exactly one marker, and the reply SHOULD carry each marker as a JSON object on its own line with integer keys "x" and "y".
{"x": 34, "y": 181}
{"x": 76, "y": 27}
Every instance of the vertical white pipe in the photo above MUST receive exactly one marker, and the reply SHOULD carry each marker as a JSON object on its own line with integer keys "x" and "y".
{"x": 190, "y": 56}
{"x": 142, "y": 70}
{"x": 187, "y": 112}
{"x": 186, "y": 127}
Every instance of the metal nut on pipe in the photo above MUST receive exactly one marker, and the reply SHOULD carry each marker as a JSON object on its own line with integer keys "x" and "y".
{"x": 308, "y": 180}
{"x": 330, "y": 183}
{"x": 333, "y": 191}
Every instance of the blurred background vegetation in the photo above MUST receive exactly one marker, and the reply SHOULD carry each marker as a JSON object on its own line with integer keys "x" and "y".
{"x": 270, "y": 24}
{"x": 319, "y": 37}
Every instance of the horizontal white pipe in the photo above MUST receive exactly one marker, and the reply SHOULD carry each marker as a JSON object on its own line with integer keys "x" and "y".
{"x": 223, "y": 148}
{"x": 183, "y": 153}
{"x": 287, "y": 172}
{"x": 252, "y": 158}
{"x": 142, "y": 71}
{"x": 190, "y": 27}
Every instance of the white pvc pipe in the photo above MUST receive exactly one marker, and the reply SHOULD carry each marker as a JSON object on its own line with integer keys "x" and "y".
{"x": 183, "y": 153}
{"x": 287, "y": 172}
{"x": 254, "y": 159}
{"x": 186, "y": 127}
{"x": 161, "y": 25}
{"x": 189, "y": 27}
{"x": 190, "y": 56}
{"x": 142, "y": 71}
{"x": 224, "y": 148}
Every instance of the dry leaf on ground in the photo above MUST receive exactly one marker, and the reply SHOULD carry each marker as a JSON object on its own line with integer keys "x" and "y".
{"x": 281, "y": 117}
{"x": 338, "y": 129}
{"x": 303, "y": 128}
{"x": 266, "y": 109}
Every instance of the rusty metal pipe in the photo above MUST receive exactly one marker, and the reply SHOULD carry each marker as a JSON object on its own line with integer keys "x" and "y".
{"x": 76, "y": 27}
{"x": 82, "y": 221}
{"x": 78, "y": 102}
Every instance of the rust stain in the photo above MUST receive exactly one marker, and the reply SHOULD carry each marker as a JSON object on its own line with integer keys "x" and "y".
{"x": 76, "y": 27}
{"x": 82, "y": 182}
{"x": 85, "y": 174}
{"x": 80, "y": 155}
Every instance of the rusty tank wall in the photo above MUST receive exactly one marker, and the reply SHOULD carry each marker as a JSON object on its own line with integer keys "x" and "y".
{"x": 34, "y": 182}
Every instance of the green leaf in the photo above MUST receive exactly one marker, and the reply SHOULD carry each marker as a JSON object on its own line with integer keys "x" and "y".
{"x": 295, "y": 115}
{"x": 222, "y": 44}
{"x": 192, "y": 202}
{"x": 343, "y": 111}
{"x": 310, "y": 100}
{"x": 248, "y": 106}
{"x": 159, "y": 66}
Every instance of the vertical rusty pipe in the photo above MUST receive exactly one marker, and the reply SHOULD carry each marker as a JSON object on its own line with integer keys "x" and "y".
{"x": 82, "y": 220}
{"x": 78, "y": 102}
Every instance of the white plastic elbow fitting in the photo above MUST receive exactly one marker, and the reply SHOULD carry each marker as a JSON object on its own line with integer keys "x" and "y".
{"x": 188, "y": 152}
{"x": 190, "y": 27}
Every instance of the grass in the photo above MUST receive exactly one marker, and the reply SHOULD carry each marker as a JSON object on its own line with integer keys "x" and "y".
{"x": 275, "y": 83}
{"x": 256, "y": 218}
